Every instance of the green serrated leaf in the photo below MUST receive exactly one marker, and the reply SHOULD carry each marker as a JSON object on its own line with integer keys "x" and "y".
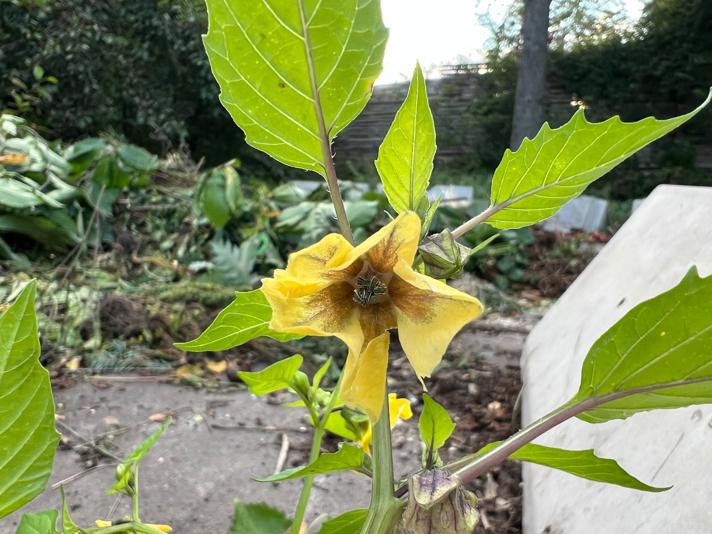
{"x": 28, "y": 439}
{"x": 294, "y": 73}
{"x": 347, "y": 523}
{"x": 584, "y": 464}
{"x": 277, "y": 376}
{"x": 246, "y": 318}
{"x": 258, "y": 518}
{"x": 44, "y": 522}
{"x": 435, "y": 425}
{"x": 405, "y": 158}
{"x": 659, "y": 355}
{"x": 347, "y": 458}
{"x": 534, "y": 182}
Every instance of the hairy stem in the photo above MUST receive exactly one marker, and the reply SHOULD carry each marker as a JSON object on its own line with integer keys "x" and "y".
{"x": 384, "y": 507}
{"x": 477, "y": 219}
{"x": 319, "y": 429}
{"x": 329, "y": 167}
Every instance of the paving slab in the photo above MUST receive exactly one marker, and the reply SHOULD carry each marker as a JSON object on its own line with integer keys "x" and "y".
{"x": 587, "y": 213}
{"x": 671, "y": 231}
{"x": 203, "y": 462}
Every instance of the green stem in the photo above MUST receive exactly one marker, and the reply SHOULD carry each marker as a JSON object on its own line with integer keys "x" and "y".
{"x": 319, "y": 430}
{"x": 134, "y": 497}
{"x": 384, "y": 508}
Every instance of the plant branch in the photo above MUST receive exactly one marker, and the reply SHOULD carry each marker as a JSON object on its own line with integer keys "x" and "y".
{"x": 471, "y": 467}
{"x": 477, "y": 219}
{"x": 328, "y": 157}
{"x": 319, "y": 430}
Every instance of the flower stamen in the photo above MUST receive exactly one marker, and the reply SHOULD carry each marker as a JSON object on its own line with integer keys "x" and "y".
{"x": 369, "y": 289}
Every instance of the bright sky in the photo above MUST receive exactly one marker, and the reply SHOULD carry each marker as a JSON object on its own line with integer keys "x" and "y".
{"x": 438, "y": 32}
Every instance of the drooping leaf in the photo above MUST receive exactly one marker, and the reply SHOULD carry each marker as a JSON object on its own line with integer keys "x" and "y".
{"x": 292, "y": 73}
{"x": 584, "y": 464}
{"x": 534, "y": 182}
{"x": 125, "y": 470}
{"x": 258, "y": 518}
{"x": 277, "y": 376}
{"x": 44, "y": 522}
{"x": 659, "y": 355}
{"x": 405, "y": 158}
{"x": 28, "y": 439}
{"x": 347, "y": 523}
{"x": 246, "y": 318}
{"x": 347, "y": 458}
{"x": 435, "y": 427}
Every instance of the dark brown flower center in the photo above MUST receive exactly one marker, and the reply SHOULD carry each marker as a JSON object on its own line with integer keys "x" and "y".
{"x": 370, "y": 286}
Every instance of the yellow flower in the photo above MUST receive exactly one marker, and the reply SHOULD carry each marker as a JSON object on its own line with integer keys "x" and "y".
{"x": 162, "y": 528}
{"x": 360, "y": 293}
{"x": 397, "y": 409}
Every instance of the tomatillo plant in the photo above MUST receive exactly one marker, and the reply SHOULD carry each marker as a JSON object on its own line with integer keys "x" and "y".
{"x": 293, "y": 74}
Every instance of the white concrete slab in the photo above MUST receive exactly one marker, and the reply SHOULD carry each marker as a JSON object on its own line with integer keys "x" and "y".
{"x": 671, "y": 231}
{"x": 585, "y": 213}
{"x": 454, "y": 196}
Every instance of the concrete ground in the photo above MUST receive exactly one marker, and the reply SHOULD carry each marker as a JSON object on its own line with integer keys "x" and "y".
{"x": 203, "y": 462}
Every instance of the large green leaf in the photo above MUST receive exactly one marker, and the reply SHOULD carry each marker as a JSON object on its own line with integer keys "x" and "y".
{"x": 258, "y": 518}
{"x": 584, "y": 464}
{"x": 347, "y": 458}
{"x": 294, "y": 73}
{"x": 28, "y": 439}
{"x": 556, "y": 166}
{"x": 405, "y": 158}
{"x": 246, "y": 318}
{"x": 659, "y": 355}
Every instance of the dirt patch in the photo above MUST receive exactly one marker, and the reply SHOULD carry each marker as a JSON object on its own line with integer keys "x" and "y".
{"x": 479, "y": 383}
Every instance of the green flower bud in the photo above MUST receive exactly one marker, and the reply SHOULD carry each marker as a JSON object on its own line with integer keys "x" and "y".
{"x": 438, "y": 504}
{"x": 443, "y": 256}
{"x": 300, "y": 384}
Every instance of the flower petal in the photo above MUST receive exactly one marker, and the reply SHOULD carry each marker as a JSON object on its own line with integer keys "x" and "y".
{"x": 398, "y": 409}
{"x": 429, "y": 314}
{"x": 364, "y": 385}
{"x": 397, "y": 240}
{"x": 314, "y": 309}
{"x": 315, "y": 263}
